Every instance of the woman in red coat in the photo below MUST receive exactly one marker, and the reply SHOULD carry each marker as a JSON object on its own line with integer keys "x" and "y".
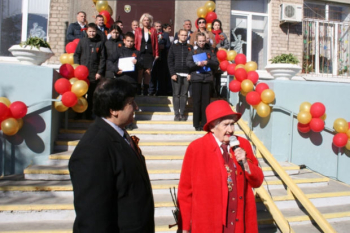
{"x": 215, "y": 194}
{"x": 147, "y": 43}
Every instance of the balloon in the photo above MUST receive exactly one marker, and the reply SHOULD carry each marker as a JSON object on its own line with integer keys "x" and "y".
{"x": 20, "y": 123}
{"x": 69, "y": 99}
{"x": 340, "y": 125}
{"x": 235, "y": 86}
{"x": 208, "y": 27}
{"x": 201, "y": 12}
{"x": 79, "y": 88}
{"x": 59, "y": 106}
{"x": 231, "y": 55}
{"x": 4, "y": 110}
{"x": 347, "y": 146}
{"x": 243, "y": 93}
{"x": 261, "y": 87}
{"x": 5, "y": 101}
{"x": 251, "y": 66}
{"x": 18, "y": 109}
{"x": 221, "y": 55}
{"x": 62, "y": 85}
{"x": 224, "y": 65}
{"x": 253, "y": 76}
{"x": 75, "y": 65}
{"x": 305, "y": 106}
{"x": 81, "y": 72}
{"x": 231, "y": 69}
{"x": 340, "y": 140}
{"x": 110, "y": 11}
{"x": 73, "y": 80}
{"x": 81, "y": 106}
{"x": 317, "y": 109}
{"x": 70, "y": 47}
{"x": 240, "y": 66}
{"x": 241, "y": 74}
{"x": 246, "y": 85}
{"x": 64, "y": 58}
{"x": 316, "y": 124}
{"x": 324, "y": 116}
{"x": 76, "y": 41}
{"x": 105, "y": 15}
{"x": 304, "y": 117}
{"x": 267, "y": 96}
{"x": 303, "y": 128}
{"x": 71, "y": 59}
{"x": 240, "y": 59}
{"x": 348, "y": 133}
{"x": 101, "y": 5}
{"x": 9, "y": 126}
{"x": 263, "y": 110}
{"x": 253, "y": 98}
{"x": 211, "y": 16}
{"x": 67, "y": 70}
{"x": 210, "y": 6}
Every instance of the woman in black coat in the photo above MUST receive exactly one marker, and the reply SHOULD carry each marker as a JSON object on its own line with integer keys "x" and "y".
{"x": 112, "y": 46}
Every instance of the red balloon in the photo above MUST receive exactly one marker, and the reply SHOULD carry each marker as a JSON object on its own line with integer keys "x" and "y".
{"x": 69, "y": 99}
{"x": 240, "y": 59}
{"x": 261, "y": 87}
{"x": 4, "y": 110}
{"x": 303, "y": 128}
{"x": 223, "y": 65}
{"x": 221, "y": 55}
{"x": 67, "y": 71}
{"x": 106, "y": 14}
{"x": 81, "y": 72}
{"x": 70, "y": 47}
{"x": 231, "y": 69}
{"x": 316, "y": 124}
{"x": 235, "y": 86}
{"x": 317, "y": 110}
{"x": 211, "y": 16}
{"x": 109, "y": 23}
{"x": 253, "y": 76}
{"x": 241, "y": 74}
{"x": 76, "y": 41}
{"x": 62, "y": 85}
{"x": 340, "y": 139}
{"x": 18, "y": 109}
{"x": 253, "y": 98}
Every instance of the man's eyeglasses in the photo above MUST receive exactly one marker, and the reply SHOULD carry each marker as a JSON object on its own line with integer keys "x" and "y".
{"x": 200, "y": 22}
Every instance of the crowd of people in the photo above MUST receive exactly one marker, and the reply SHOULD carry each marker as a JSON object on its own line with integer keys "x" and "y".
{"x": 163, "y": 65}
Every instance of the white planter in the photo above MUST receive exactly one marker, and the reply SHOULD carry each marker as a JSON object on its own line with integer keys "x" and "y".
{"x": 31, "y": 56}
{"x": 283, "y": 71}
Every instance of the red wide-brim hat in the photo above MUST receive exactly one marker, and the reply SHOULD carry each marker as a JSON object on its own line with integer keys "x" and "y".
{"x": 218, "y": 109}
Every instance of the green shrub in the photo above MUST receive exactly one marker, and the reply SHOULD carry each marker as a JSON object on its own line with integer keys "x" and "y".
{"x": 285, "y": 58}
{"x": 35, "y": 42}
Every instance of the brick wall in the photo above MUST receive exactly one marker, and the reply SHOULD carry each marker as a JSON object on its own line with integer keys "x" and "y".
{"x": 223, "y": 11}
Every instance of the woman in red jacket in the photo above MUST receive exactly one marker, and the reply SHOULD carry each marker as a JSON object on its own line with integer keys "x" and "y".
{"x": 147, "y": 43}
{"x": 215, "y": 192}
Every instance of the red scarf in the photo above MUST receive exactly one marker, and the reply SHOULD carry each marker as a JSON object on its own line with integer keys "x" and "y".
{"x": 217, "y": 35}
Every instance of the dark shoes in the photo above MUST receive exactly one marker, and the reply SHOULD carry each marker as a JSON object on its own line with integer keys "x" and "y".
{"x": 177, "y": 117}
{"x": 198, "y": 128}
{"x": 183, "y": 118}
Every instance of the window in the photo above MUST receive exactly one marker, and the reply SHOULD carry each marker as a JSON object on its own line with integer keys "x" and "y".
{"x": 20, "y": 19}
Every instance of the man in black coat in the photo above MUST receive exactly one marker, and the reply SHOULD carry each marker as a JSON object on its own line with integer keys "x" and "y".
{"x": 102, "y": 30}
{"x": 77, "y": 30}
{"x": 112, "y": 190}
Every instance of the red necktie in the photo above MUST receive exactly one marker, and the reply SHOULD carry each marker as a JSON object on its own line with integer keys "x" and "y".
{"x": 225, "y": 153}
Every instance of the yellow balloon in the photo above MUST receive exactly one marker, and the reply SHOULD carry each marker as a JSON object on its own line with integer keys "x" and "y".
{"x": 208, "y": 27}
{"x": 340, "y": 125}
{"x": 75, "y": 65}
{"x": 304, "y": 117}
{"x": 323, "y": 117}
{"x": 70, "y": 57}
{"x": 348, "y": 133}
{"x": 101, "y": 6}
{"x": 73, "y": 80}
{"x": 231, "y": 55}
{"x": 251, "y": 66}
{"x": 267, "y": 96}
{"x": 5, "y": 101}
{"x": 240, "y": 66}
{"x": 20, "y": 123}
{"x": 59, "y": 106}
{"x": 347, "y": 146}
{"x": 263, "y": 110}
{"x": 81, "y": 105}
{"x": 305, "y": 106}
{"x": 243, "y": 93}
{"x": 110, "y": 10}
{"x": 9, "y": 126}
{"x": 210, "y": 6}
{"x": 202, "y": 12}
{"x": 64, "y": 58}
{"x": 79, "y": 88}
{"x": 254, "y": 106}
{"x": 247, "y": 86}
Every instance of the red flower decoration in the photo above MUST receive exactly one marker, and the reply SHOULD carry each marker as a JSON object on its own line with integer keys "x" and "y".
{"x": 133, "y": 55}
{"x": 208, "y": 55}
{"x": 189, "y": 48}
{"x": 119, "y": 45}
{"x": 136, "y": 142}
{"x": 83, "y": 29}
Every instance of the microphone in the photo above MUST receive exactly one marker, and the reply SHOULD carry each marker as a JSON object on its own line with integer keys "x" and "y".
{"x": 234, "y": 143}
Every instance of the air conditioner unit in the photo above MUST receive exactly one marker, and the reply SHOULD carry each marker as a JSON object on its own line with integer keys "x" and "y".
{"x": 291, "y": 12}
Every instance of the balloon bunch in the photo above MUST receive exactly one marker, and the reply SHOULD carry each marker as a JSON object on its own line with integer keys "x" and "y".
{"x": 11, "y": 115}
{"x": 106, "y": 11}
{"x": 342, "y": 138}
{"x": 68, "y": 58}
{"x": 207, "y": 12}
{"x": 72, "y": 87}
{"x": 311, "y": 117}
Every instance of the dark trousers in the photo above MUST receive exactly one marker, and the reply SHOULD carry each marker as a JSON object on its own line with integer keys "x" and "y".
{"x": 180, "y": 89}
{"x": 90, "y": 94}
{"x": 217, "y": 84}
{"x": 201, "y": 99}
{"x": 160, "y": 78}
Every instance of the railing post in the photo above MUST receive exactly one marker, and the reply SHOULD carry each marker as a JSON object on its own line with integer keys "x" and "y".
{"x": 291, "y": 137}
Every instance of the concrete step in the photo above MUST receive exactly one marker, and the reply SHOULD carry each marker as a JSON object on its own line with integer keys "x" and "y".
{"x": 159, "y": 116}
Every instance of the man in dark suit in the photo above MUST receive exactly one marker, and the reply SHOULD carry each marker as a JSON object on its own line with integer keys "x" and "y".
{"x": 77, "y": 30}
{"x": 187, "y": 26}
{"x": 112, "y": 190}
{"x": 102, "y": 30}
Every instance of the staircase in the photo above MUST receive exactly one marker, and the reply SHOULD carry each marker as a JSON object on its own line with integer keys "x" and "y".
{"x": 41, "y": 200}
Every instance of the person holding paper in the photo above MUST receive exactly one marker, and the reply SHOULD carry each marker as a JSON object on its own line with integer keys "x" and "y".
{"x": 202, "y": 62}
{"x": 112, "y": 46}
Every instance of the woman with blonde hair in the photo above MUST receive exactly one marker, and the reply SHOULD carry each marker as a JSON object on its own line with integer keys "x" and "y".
{"x": 147, "y": 43}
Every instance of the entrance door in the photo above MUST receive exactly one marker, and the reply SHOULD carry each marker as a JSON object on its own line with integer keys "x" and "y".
{"x": 163, "y": 11}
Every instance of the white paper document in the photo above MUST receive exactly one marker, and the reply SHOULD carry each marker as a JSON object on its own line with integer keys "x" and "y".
{"x": 126, "y": 64}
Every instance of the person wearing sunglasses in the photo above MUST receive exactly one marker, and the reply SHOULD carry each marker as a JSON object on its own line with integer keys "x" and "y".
{"x": 202, "y": 24}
